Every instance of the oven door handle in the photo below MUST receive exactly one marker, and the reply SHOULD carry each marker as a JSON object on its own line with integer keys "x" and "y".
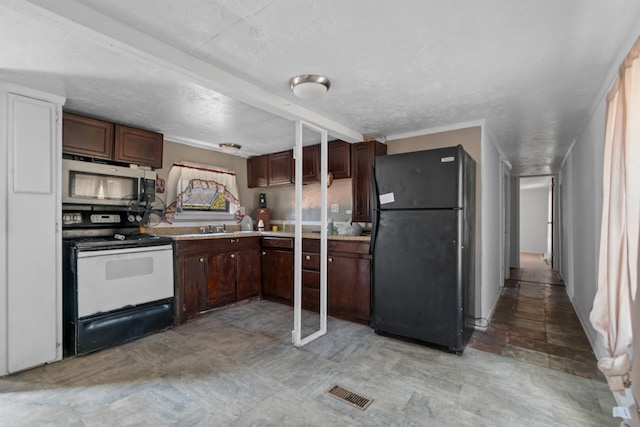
{"x": 83, "y": 253}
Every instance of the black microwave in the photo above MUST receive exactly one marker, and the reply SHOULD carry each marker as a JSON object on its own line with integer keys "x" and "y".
{"x": 89, "y": 183}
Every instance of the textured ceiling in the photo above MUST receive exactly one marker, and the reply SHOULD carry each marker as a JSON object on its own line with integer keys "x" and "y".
{"x": 212, "y": 71}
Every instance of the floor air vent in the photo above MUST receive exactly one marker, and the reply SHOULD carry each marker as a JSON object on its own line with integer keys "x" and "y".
{"x": 351, "y": 397}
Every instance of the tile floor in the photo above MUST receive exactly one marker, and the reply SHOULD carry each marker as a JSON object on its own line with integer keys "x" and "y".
{"x": 237, "y": 367}
{"x": 534, "y": 322}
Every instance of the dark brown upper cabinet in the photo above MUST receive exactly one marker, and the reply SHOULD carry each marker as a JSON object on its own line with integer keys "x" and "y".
{"x": 270, "y": 169}
{"x": 280, "y": 167}
{"x": 138, "y": 146}
{"x": 310, "y": 164}
{"x": 257, "y": 171}
{"x": 362, "y": 155}
{"x": 340, "y": 159}
{"x": 85, "y": 136}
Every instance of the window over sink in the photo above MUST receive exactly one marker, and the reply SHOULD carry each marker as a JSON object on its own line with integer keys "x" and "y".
{"x": 201, "y": 193}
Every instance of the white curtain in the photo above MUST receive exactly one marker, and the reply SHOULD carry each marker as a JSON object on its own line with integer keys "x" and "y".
{"x": 612, "y": 309}
{"x": 183, "y": 175}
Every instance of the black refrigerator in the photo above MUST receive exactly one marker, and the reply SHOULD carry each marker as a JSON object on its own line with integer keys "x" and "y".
{"x": 422, "y": 241}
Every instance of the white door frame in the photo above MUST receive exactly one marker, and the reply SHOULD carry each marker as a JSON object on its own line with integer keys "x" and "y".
{"x": 297, "y": 338}
{"x": 505, "y": 220}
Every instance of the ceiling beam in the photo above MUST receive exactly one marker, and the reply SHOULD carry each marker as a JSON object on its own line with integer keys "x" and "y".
{"x": 139, "y": 44}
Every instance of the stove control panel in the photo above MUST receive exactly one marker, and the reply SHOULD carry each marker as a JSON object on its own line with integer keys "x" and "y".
{"x": 80, "y": 219}
{"x": 104, "y": 219}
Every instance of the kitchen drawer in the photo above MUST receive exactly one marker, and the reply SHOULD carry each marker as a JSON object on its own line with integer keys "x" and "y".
{"x": 232, "y": 244}
{"x": 277, "y": 242}
{"x": 311, "y": 245}
{"x": 311, "y": 299}
{"x": 244, "y": 243}
{"x": 310, "y": 279}
{"x": 310, "y": 261}
{"x": 354, "y": 247}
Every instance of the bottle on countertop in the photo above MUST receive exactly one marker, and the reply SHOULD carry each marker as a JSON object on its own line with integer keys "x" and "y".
{"x": 261, "y": 225}
{"x": 247, "y": 223}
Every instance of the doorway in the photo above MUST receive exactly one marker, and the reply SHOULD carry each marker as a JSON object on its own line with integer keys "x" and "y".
{"x": 536, "y": 221}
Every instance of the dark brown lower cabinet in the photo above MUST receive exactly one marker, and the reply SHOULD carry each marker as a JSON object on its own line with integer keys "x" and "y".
{"x": 277, "y": 275}
{"x": 214, "y": 272}
{"x": 249, "y": 273}
{"x": 311, "y": 290}
{"x": 191, "y": 283}
{"x": 349, "y": 287}
{"x": 311, "y": 274}
{"x": 221, "y": 283}
{"x": 348, "y": 279}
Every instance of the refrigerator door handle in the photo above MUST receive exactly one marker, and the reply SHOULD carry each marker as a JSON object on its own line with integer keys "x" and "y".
{"x": 375, "y": 210}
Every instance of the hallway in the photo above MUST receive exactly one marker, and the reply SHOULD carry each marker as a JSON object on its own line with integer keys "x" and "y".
{"x": 534, "y": 322}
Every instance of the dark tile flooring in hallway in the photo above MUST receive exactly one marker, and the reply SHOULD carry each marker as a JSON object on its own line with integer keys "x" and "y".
{"x": 534, "y": 322}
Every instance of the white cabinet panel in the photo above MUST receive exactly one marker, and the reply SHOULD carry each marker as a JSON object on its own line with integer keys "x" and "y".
{"x": 32, "y": 145}
{"x": 33, "y": 244}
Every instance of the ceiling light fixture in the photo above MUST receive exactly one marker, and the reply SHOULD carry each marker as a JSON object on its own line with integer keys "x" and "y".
{"x": 230, "y": 148}
{"x": 309, "y": 86}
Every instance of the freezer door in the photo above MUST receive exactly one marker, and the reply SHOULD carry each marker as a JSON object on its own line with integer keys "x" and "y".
{"x": 417, "y": 290}
{"x": 419, "y": 180}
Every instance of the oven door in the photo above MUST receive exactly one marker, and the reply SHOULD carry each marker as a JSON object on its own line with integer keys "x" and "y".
{"x": 112, "y": 279}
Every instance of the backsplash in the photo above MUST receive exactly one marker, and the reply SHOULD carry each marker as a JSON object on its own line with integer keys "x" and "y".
{"x": 281, "y": 201}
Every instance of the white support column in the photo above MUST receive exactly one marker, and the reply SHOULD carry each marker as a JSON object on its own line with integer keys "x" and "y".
{"x": 297, "y": 338}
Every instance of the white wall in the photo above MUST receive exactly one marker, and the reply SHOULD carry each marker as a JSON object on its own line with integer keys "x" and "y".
{"x": 4, "y": 165}
{"x": 581, "y": 199}
{"x": 491, "y": 227}
{"x": 534, "y": 212}
{"x": 489, "y": 218}
{"x": 566, "y": 199}
{"x": 581, "y": 179}
{"x": 470, "y": 136}
{"x": 514, "y": 235}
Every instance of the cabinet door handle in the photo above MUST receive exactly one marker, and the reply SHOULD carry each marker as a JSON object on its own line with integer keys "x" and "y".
{"x": 308, "y": 257}
{"x": 330, "y": 259}
{"x": 264, "y": 253}
{"x": 201, "y": 259}
{"x": 233, "y": 255}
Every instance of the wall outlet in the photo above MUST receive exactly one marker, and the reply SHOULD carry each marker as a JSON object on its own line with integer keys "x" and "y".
{"x": 335, "y": 208}
{"x": 348, "y": 212}
{"x": 242, "y": 210}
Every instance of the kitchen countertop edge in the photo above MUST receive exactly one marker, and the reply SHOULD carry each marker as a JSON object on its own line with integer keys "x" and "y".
{"x": 232, "y": 234}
